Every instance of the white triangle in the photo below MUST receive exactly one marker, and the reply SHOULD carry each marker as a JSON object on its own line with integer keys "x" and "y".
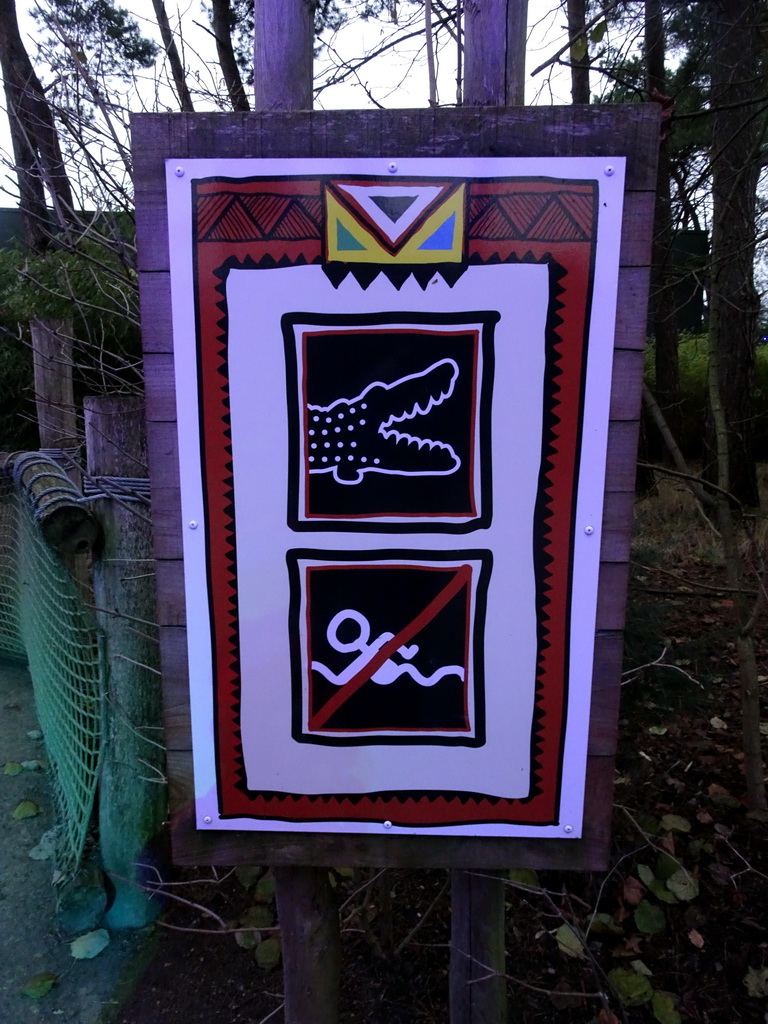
{"x": 423, "y": 196}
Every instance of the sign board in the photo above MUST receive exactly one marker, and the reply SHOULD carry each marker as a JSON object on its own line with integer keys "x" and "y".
{"x": 393, "y": 381}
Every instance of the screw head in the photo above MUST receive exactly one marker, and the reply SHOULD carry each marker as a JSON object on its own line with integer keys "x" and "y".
{"x": 392, "y": 167}
{"x": 193, "y": 524}
{"x": 609, "y": 170}
{"x": 589, "y": 530}
{"x": 207, "y": 819}
{"x": 387, "y": 824}
{"x": 568, "y": 828}
{"x": 179, "y": 172}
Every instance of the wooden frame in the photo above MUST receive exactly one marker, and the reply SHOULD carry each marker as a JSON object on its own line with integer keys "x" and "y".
{"x": 628, "y": 131}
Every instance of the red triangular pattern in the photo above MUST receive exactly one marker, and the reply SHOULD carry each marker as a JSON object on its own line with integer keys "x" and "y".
{"x": 556, "y": 224}
{"x": 295, "y": 225}
{"x": 580, "y": 207}
{"x": 266, "y": 210}
{"x": 209, "y": 209}
{"x": 491, "y": 224}
{"x": 235, "y": 225}
{"x": 523, "y": 210}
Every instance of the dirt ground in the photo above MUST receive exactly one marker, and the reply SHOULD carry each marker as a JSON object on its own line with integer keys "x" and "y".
{"x": 85, "y": 991}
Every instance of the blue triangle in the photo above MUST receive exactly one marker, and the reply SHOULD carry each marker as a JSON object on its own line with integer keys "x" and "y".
{"x": 443, "y": 237}
{"x": 345, "y": 240}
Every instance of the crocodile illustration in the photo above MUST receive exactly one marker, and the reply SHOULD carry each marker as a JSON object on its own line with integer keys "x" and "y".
{"x": 369, "y": 433}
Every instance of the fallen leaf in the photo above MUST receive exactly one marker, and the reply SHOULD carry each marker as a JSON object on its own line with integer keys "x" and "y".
{"x": 696, "y": 938}
{"x": 684, "y": 885}
{"x": 247, "y": 875}
{"x": 26, "y": 809}
{"x": 632, "y": 988}
{"x": 265, "y": 888}
{"x": 756, "y": 980}
{"x": 718, "y": 723}
{"x": 87, "y": 946}
{"x": 675, "y": 823}
{"x": 658, "y": 730}
{"x": 33, "y": 766}
{"x": 721, "y": 873}
{"x": 248, "y": 940}
{"x": 660, "y": 891}
{"x": 12, "y": 768}
{"x": 641, "y": 968}
{"x": 634, "y": 891}
{"x": 524, "y": 876}
{"x": 39, "y": 985}
{"x": 649, "y": 918}
{"x": 704, "y": 817}
{"x": 664, "y": 1006}
{"x": 569, "y": 942}
{"x": 603, "y": 923}
{"x": 258, "y": 916}
{"x": 646, "y": 874}
{"x": 268, "y": 954}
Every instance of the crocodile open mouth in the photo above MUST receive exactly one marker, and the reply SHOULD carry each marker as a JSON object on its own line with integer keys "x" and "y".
{"x": 354, "y": 436}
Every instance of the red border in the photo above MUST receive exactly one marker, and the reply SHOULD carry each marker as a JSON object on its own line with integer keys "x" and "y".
{"x": 548, "y": 243}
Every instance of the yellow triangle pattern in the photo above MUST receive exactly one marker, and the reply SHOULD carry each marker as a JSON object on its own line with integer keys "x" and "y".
{"x": 373, "y": 252}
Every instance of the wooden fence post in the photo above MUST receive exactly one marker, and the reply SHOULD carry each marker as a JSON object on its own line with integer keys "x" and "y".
{"x": 54, "y": 390}
{"x": 494, "y": 38}
{"x": 478, "y": 989}
{"x": 132, "y": 795}
{"x": 309, "y": 919}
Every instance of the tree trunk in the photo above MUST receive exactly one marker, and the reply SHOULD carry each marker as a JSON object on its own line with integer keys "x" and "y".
{"x": 662, "y": 305}
{"x": 494, "y": 52}
{"x": 172, "y": 52}
{"x": 734, "y": 304}
{"x": 221, "y": 13}
{"x": 577, "y": 21}
{"x": 37, "y": 154}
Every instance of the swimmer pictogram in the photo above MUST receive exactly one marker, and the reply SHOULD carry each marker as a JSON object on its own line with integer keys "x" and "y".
{"x": 391, "y": 649}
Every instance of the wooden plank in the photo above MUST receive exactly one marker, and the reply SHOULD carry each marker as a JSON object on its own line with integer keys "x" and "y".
{"x": 514, "y": 131}
{"x": 167, "y": 522}
{"x": 621, "y": 455}
{"x": 173, "y": 664}
{"x": 612, "y": 595}
{"x": 631, "y": 310}
{"x": 159, "y": 387}
{"x": 609, "y": 657}
{"x": 169, "y": 582}
{"x": 155, "y": 298}
{"x": 617, "y": 526}
{"x": 635, "y": 238}
{"x": 163, "y": 452}
{"x": 327, "y": 849}
{"x": 627, "y": 384}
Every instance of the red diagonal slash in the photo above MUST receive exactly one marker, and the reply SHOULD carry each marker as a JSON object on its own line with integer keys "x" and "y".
{"x": 462, "y": 576}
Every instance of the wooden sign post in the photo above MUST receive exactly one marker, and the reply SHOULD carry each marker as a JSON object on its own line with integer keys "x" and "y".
{"x": 296, "y": 295}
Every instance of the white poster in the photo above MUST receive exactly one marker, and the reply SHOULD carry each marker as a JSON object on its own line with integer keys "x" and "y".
{"x": 393, "y": 382}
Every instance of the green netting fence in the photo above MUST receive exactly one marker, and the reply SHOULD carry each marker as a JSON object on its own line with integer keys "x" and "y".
{"x": 45, "y": 620}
